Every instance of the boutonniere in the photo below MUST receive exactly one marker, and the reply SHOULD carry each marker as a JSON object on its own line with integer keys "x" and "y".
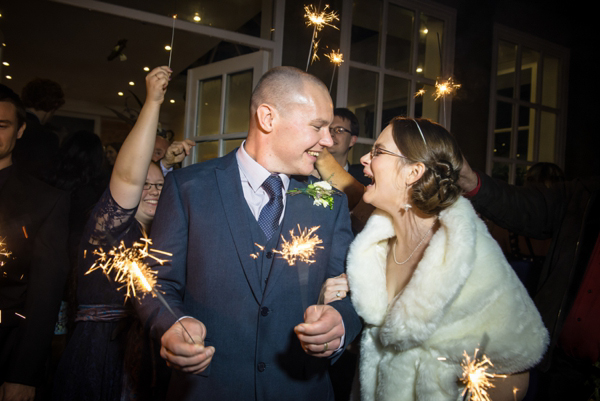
{"x": 321, "y": 192}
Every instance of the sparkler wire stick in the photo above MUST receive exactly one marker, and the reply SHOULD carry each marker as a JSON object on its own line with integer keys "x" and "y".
{"x": 172, "y": 38}
{"x": 312, "y": 41}
{"x": 164, "y": 302}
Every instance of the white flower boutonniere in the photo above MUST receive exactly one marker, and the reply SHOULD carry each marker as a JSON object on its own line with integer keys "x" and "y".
{"x": 321, "y": 192}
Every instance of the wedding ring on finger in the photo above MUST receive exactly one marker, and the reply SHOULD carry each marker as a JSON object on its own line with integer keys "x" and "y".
{"x": 338, "y": 294}
{"x": 325, "y": 347}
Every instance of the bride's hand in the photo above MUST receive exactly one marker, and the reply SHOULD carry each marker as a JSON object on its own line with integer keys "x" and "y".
{"x": 334, "y": 289}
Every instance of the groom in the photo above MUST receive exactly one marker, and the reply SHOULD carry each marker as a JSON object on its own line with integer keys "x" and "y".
{"x": 254, "y": 337}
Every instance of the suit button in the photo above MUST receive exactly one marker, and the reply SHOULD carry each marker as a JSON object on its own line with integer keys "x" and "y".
{"x": 269, "y": 255}
{"x": 264, "y": 311}
{"x": 261, "y": 366}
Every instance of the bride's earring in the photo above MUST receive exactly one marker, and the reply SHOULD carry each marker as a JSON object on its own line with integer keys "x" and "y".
{"x": 406, "y": 206}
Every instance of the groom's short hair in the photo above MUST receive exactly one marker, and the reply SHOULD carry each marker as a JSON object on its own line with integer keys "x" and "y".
{"x": 275, "y": 86}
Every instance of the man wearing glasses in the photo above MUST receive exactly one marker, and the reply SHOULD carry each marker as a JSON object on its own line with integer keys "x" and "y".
{"x": 344, "y": 131}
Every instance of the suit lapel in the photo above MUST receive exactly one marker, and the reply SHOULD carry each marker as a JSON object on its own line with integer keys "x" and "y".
{"x": 234, "y": 204}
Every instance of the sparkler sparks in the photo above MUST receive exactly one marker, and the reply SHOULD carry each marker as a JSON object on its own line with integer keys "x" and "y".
{"x": 320, "y": 19}
{"x": 476, "y": 377}
{"x": 300, "y": 247}
{"x": 336, "y": 58}
{"x": 445, "y": 88}
{"x": 255, "y": 255}
{"x": 4, "y": 252}
{"x": 129, "y": 268}
{"x": 420, "y": 92}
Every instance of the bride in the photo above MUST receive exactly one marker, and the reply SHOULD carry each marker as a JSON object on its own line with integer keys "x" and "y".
{"x": 428, "y": 280}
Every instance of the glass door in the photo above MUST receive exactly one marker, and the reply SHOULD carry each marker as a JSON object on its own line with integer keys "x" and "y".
{"x": 218, "y": 99}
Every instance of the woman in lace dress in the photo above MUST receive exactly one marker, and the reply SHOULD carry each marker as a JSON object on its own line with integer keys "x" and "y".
{"x": 93, "y": 365}
{"x": 428, "y": 280}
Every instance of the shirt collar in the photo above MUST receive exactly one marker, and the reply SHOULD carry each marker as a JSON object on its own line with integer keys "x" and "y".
{"x": 254, "y": 172}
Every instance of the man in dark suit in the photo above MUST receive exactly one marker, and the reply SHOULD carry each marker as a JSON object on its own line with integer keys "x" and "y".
{"x": 33, "y": 224}
{"x": 254, "y": 337}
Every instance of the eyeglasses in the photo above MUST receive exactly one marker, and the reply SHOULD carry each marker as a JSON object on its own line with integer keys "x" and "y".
{"x": 158, "y": 187}
{"x": 376, "y": 151}
{"x": 338, "y": 130}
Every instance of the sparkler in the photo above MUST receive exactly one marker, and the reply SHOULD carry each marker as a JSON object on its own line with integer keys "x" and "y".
{"x": 132, "y": 272}
{"x": 445, "y": 88}
{"x": 337, "y": 59}
{"x": 3, "y": 251}
{"x": 476, "y": 377}
{"x": 300, "y": 247}
{"x": 172, "y": 37}
{"x": 318, "y": 19}
{"x": 420, "y": 92}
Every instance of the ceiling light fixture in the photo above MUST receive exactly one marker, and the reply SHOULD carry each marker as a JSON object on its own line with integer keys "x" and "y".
{"x": 146, "y": 69}
{"x": 131, "y": 83}
{"x": 167, "y": 48}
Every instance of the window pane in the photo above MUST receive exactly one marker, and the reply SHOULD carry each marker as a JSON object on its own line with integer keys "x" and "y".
{"x": 209, "y": 107}
{"x": 358, "y": 151}
{"x": 366, "y": 24}
{"x": 425, "y": 105}
{"x": 547, "y": 137}
{"x": 502, "y": 132}
{"x": 501, "y": 171}
{"x": 526, "y": 134}
{"x": 520, "y": 174}
{"x": 362, "y": 95}
{"x": 430, "y": 31}
{"x": 239, "y": 90}
{"x": 395, "y": 98}
{"x": 550, "y": 81}
{"x": 206, "y": 151}
{"x": 232, "y": 144}
{"x": 530, "y": 60}
{"x": 399, "y": 39}
{"x": 507, "y": 60}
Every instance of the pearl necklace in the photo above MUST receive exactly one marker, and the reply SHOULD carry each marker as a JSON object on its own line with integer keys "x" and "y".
{"x": 417, "y": 247}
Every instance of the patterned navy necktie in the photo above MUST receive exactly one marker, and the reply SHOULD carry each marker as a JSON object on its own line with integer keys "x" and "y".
{"x": 268, "y": 220}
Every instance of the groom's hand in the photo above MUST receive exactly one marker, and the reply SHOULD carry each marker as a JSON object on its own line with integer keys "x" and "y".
{"x": 180, "y": 352}
{"x": 322, "y": 330}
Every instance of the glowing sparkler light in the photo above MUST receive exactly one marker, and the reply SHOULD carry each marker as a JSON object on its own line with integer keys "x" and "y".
{"x": 300, "y": 247}
{"x": 420, "y": 92}
{"x": 257, "y": 254}
{"x": 315, "y": 55}
{"x": 336, "y": 58}
{"x": 129, "y": 268}
{"x": 445, "y": 88}
{"x": 476, "y": 377}
{"x": 3, "y": 250}
{"x": 320, "y": 19}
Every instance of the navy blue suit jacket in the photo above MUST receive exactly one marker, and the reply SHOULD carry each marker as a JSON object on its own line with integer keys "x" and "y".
{"x": 202, "y": 218}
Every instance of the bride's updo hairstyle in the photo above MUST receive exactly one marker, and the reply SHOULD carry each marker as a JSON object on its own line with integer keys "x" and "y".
{"x": 437, "y": 149}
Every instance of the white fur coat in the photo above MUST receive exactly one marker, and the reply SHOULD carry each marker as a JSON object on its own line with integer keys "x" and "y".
{"x": 462, "y": 295}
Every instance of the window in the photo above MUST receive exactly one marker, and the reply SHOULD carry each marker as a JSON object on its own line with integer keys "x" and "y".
{"x": 394, "y": 48}
{"x": 527, "y": 104}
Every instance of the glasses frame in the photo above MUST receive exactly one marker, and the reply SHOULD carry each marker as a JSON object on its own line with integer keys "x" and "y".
{"x": 147, "y": 186}
{"x": 338, "y": 130}
{"x": 376, "y": 151}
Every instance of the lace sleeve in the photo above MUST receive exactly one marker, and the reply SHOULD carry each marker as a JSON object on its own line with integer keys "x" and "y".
{"x": 109, "y": 222}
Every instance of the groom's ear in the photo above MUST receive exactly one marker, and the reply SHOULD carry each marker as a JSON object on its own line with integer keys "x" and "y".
{"x": 265, "y": 115}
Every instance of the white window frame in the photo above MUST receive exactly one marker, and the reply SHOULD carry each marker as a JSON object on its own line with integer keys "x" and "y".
{"x": 447, "y": 14}
{"x": 506, "y": 34}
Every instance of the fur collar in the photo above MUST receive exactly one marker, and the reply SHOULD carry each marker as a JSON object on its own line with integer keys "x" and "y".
{"x": 415, "y": 313}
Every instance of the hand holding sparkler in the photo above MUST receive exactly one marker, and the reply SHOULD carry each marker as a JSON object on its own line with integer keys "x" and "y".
{"x": 321, "y": 333}
{"x": 156, "y": 84}
{"x": 179, "y": 353}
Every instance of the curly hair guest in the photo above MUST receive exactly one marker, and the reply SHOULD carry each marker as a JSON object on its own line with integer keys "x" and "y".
{"x": 428, "y": 279}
